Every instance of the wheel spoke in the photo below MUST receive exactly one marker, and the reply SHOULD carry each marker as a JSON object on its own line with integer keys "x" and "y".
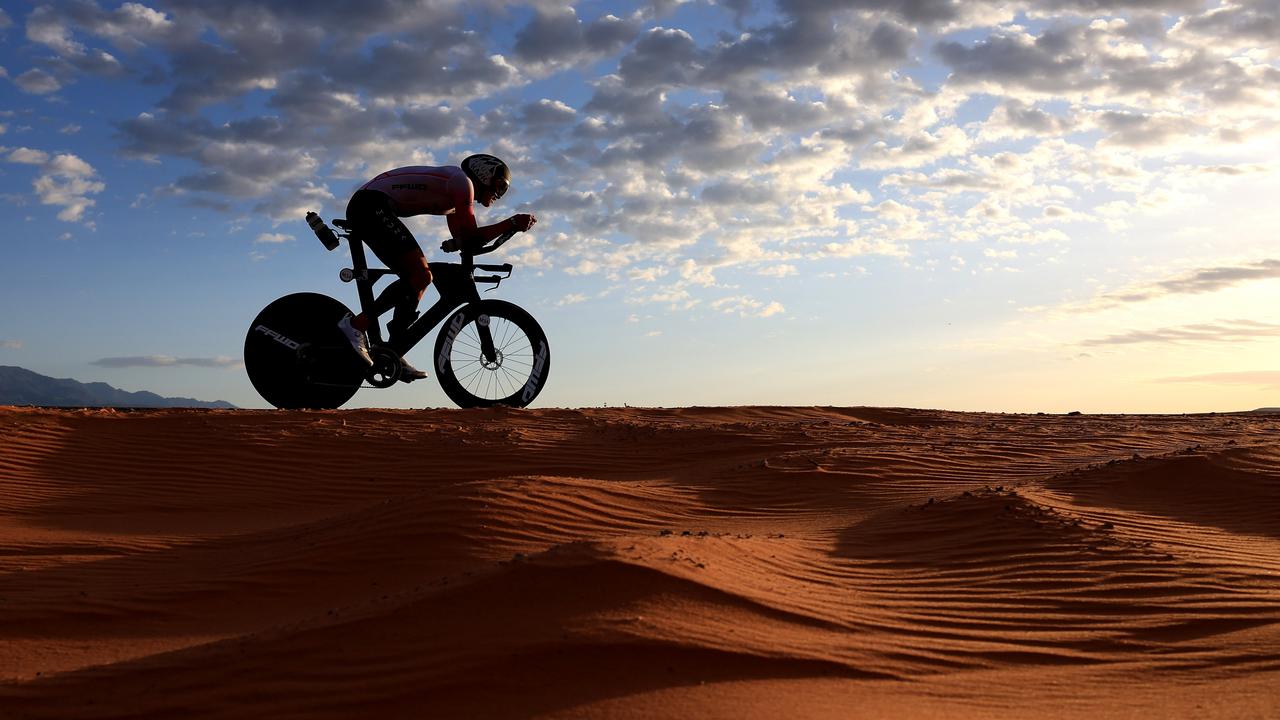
{"x": 488, "y": 386}
{"x": 513, "y": 379}
{"x": 511, "y": 328}
{"x": 469, "y": 378}
{"x": 526, "y": 349}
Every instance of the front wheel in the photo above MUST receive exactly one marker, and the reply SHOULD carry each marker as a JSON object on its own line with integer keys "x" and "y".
{"x": 492, "y": 353}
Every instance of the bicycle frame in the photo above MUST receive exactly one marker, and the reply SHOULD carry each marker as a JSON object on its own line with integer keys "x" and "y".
{"x": 456, "y": 283}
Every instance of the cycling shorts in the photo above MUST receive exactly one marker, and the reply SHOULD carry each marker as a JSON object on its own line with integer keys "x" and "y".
{"x": 373, "y": 218}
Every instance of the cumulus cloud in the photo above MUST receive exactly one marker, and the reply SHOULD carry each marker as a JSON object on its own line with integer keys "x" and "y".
{"x": 167, "y": 361}
{"x": 1234, "y": 24}
{"x": 68, "y": 181}
{"x": 547, "y": 113}
{"x": 1049, "y": 63}
{"x": 747, "y": 307}
{"x": 556, "y": 37}
{"x": 46, "y": 26}
{"x": 274, "y": 238}
{"x": 1134, "y": 129}
{"x": 64, "y": 180}
{"x": 571, "y": 299}
{"x": 247, "y": 159}
{"x": 37, "y": 82}
{"x": 28, "y": 156}
{"x": 921, "y": 149}
{"x": 1014, "y": 119}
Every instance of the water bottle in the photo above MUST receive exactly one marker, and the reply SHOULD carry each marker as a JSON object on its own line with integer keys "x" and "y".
{"x": 322, "y": 231}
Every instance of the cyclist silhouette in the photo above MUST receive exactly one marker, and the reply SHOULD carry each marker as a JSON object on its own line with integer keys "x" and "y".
{"x": 374, "y": 212}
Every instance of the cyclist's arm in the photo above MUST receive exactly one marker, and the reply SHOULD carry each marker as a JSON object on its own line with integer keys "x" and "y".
{"x": 462, "y": 225}
{"x": 462, "y": 221}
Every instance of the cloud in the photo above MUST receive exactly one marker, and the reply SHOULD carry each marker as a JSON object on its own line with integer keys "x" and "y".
{"x": 1014, "y": 119}
{"x": 274, "y": 238}
{"x": 555, "y": 37}
{"x": 431, "y": 122}
{"x": 1218, "y": 278}
{"x": 132, "y": 25}
{"x": 45, "y": 26}
{"x": 807, "y": 128}
{"x": 37, "y": 82}
{"x": 1193, "y": 282}
{"x": 250, "y": 159}
{"x": 747, "y": 307}
{"x": 547, "y": 113}
{"x": 778, "y": 271}
{"x": 11, "y": 344}
{"x": 661, "y": 57}
{"x": 1216, "y": 332}
{"x": 68, "y": 181}
{"x": 1231, "y": 24}
{"x": 1266, "y": 379}
{"x": 167, "y": 361}
{"x": 64, "y": 180}
{"x": 1050, "y": 63}
{"x": 571, "y": 299}
{"x": 1134, "y": 129}
{"x": 1189, "y": 282}
{"x": 27, "y": 156}
{"x": 920, "y": 149}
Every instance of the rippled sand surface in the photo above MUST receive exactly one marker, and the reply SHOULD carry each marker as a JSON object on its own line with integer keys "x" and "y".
{"x": 753, "y": 562}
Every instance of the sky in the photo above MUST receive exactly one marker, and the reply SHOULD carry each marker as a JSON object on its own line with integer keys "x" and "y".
{"x": 1038, "y": 206}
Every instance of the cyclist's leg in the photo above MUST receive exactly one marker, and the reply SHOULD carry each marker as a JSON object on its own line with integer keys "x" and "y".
{"x": 373, "y": 217}
{"x": 415, "y": 276}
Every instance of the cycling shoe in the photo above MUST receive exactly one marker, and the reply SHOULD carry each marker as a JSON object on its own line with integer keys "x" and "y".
{"x": 409, "y": 373}
{"x": 358, "y": 341}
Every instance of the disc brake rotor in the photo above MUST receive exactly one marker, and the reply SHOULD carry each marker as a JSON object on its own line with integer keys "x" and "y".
{"x": 497, "y": 361}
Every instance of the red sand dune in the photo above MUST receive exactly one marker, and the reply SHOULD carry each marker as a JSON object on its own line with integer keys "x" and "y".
{"x": 638, "y": 563}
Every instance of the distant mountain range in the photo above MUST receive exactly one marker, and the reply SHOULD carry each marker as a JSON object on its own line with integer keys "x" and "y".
{"x": 19, "y": 386}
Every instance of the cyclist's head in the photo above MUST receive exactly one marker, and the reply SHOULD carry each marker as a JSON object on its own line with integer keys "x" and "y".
{"x": 488, "y": 172}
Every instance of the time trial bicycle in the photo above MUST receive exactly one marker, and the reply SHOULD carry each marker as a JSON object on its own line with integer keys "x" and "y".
{"x": 489, "y": 352}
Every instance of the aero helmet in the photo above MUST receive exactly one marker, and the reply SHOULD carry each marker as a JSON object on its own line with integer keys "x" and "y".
{"x": 488, "y": 171}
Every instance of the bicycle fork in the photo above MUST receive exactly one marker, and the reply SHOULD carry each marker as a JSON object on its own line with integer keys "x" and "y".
{"x": 486, "y": 339}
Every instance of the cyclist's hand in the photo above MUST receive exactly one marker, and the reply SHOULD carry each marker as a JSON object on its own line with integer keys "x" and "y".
{"x": 523, "y": 222}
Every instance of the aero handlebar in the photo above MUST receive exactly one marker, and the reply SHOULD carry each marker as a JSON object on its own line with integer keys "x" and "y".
{"x": 452, "y": 245}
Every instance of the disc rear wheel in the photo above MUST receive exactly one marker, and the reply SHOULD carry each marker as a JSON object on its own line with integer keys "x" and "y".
{"x": 297, "y": 357}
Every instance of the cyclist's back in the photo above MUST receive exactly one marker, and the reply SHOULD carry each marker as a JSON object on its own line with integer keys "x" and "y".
{"x": 424, "y": 190}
